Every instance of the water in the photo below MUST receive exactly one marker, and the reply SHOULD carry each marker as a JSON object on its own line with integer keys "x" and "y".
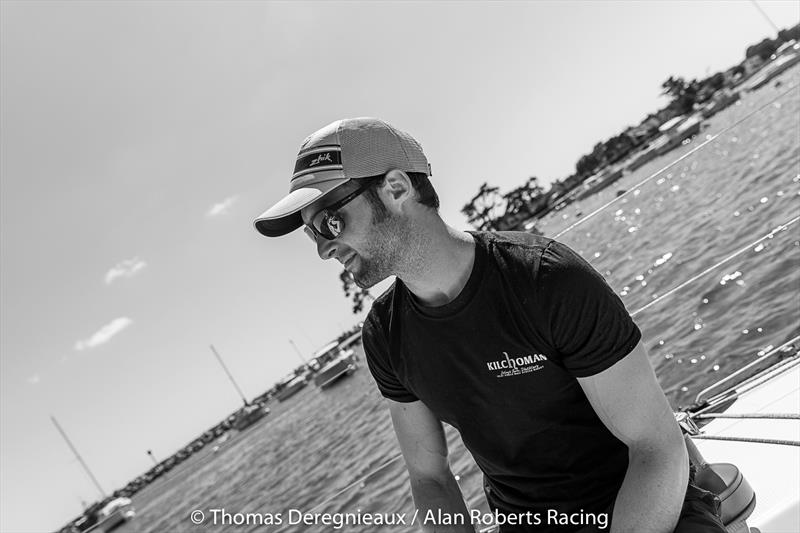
{"x": 716, "y": 201}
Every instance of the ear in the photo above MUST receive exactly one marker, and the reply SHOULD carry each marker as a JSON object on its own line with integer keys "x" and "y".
{"x": 397, "y": 188}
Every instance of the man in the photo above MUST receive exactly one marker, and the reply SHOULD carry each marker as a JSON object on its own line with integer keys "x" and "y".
{"x": 511, "y": 338}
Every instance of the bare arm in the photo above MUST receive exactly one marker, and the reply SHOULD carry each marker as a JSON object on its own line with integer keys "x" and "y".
{"x": 630, "y": 402}
{"x": 424, "y": 449}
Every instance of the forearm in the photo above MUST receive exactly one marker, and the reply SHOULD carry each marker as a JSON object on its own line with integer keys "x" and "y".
{"x": 652, "y": 492}
{"x": 440, "y": 505}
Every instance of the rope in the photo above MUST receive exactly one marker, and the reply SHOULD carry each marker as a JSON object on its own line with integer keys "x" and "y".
{"x": 740, "y": 251}
{"x": 684, "y": 156}
{"x": 776, "y": 416}
{"x": 748, "y": 439}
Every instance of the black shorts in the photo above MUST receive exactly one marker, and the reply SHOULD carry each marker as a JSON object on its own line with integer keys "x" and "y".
{"x": 700, "y": 512}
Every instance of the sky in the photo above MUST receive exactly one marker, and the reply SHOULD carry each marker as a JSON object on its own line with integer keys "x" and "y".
{"x": 138, "y": 141}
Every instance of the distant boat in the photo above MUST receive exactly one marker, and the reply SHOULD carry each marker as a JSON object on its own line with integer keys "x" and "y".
{"x": 598, "y": 182}
{"x": 343, "y": 365}
{"x": 673, "y": 133}
{"x": 351, "y": 340}
{"x": 720, "y": 101}
{"x": 684, "y": 130}
{"x": 291, "y": 388}
{"x": 772, "y": 70}
{"x": 220, "y": 441}
{"x": 249, "y": 415}
{"x": 113, "y": 514}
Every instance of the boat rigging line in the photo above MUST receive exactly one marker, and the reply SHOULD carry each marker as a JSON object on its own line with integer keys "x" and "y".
{"x": 781, "y": 227}
{"x": 743, "y": 369}
{"x": 776, "y": 416}
{"x": 748, "y": 439}
{"x": 710, "y": 139}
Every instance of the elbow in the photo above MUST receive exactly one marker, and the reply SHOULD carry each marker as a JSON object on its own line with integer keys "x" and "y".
{"x": 669, "y": 451}
{"x": 677, "y": 450}
{"x": 679, "y": 459}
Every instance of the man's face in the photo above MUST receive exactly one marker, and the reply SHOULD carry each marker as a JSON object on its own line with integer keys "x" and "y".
{"x": 369, "y": 245}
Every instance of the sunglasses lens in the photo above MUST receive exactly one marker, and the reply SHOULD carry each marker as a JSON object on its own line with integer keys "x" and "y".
{"x": 330, "y": 225}
{"x": 334, "y": 224}
{"x": 310, "y": 233}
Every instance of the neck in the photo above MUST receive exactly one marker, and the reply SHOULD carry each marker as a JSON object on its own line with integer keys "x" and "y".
{"x": 439, "y": 262}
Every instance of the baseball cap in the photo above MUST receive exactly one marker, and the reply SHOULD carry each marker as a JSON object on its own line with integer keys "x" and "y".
{"x": 347, "y": 149}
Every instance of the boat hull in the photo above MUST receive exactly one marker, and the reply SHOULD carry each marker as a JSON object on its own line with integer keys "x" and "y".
{"x": 342, "y": 366}
{"x": 290, "y": 390}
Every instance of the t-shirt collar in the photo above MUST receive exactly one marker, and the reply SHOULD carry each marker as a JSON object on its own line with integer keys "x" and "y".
{"x": 464, "y": 297}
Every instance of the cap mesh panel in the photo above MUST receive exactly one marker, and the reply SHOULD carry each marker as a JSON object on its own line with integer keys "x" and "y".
{"x": 371, "y": 147}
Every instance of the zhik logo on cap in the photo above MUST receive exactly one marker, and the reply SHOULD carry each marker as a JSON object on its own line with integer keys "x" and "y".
{"x": 329, "y": 157}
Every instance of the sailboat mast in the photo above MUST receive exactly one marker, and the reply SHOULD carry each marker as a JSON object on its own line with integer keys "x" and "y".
{"x": 80, "y": 459}
{"x": 766, "y": 17}
{"x": 225, "y": 368}
{"x": 298, "y": 352}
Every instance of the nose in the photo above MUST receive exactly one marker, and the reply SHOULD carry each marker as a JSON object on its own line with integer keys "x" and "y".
{"x": 325, "y": 248}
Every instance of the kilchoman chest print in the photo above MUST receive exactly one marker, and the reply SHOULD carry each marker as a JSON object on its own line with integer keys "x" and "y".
{"x": 516, "y": 365}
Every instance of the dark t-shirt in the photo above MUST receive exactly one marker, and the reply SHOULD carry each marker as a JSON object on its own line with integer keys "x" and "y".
{"x": 499, "y": 364}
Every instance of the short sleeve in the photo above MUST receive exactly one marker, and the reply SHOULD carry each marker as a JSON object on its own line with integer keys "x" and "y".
{"x": 376, "y": 349}
{"x": 588, "y": 323}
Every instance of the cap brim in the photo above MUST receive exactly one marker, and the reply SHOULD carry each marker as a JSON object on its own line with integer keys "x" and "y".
{"x": 284, "y": 217}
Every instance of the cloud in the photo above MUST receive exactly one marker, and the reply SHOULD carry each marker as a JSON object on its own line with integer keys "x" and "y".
{"x": 104, "y": 334}
{"x": 222, "y": 207}
{"x": 125, "y": 269}
{"x": 34, "y": 379}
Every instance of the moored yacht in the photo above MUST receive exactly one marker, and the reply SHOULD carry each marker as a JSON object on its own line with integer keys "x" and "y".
{"x": 343, "y": 365}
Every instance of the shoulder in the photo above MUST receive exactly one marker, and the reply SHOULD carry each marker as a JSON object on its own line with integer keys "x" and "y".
{"x": 560, "y": 264}
{"x": 514, "y": 252}
{"x": 563, "y": 274}
{"x": 512, "y": 240}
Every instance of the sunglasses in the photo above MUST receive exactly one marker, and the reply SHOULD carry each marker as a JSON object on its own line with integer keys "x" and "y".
{"x": 328, "y": 223}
